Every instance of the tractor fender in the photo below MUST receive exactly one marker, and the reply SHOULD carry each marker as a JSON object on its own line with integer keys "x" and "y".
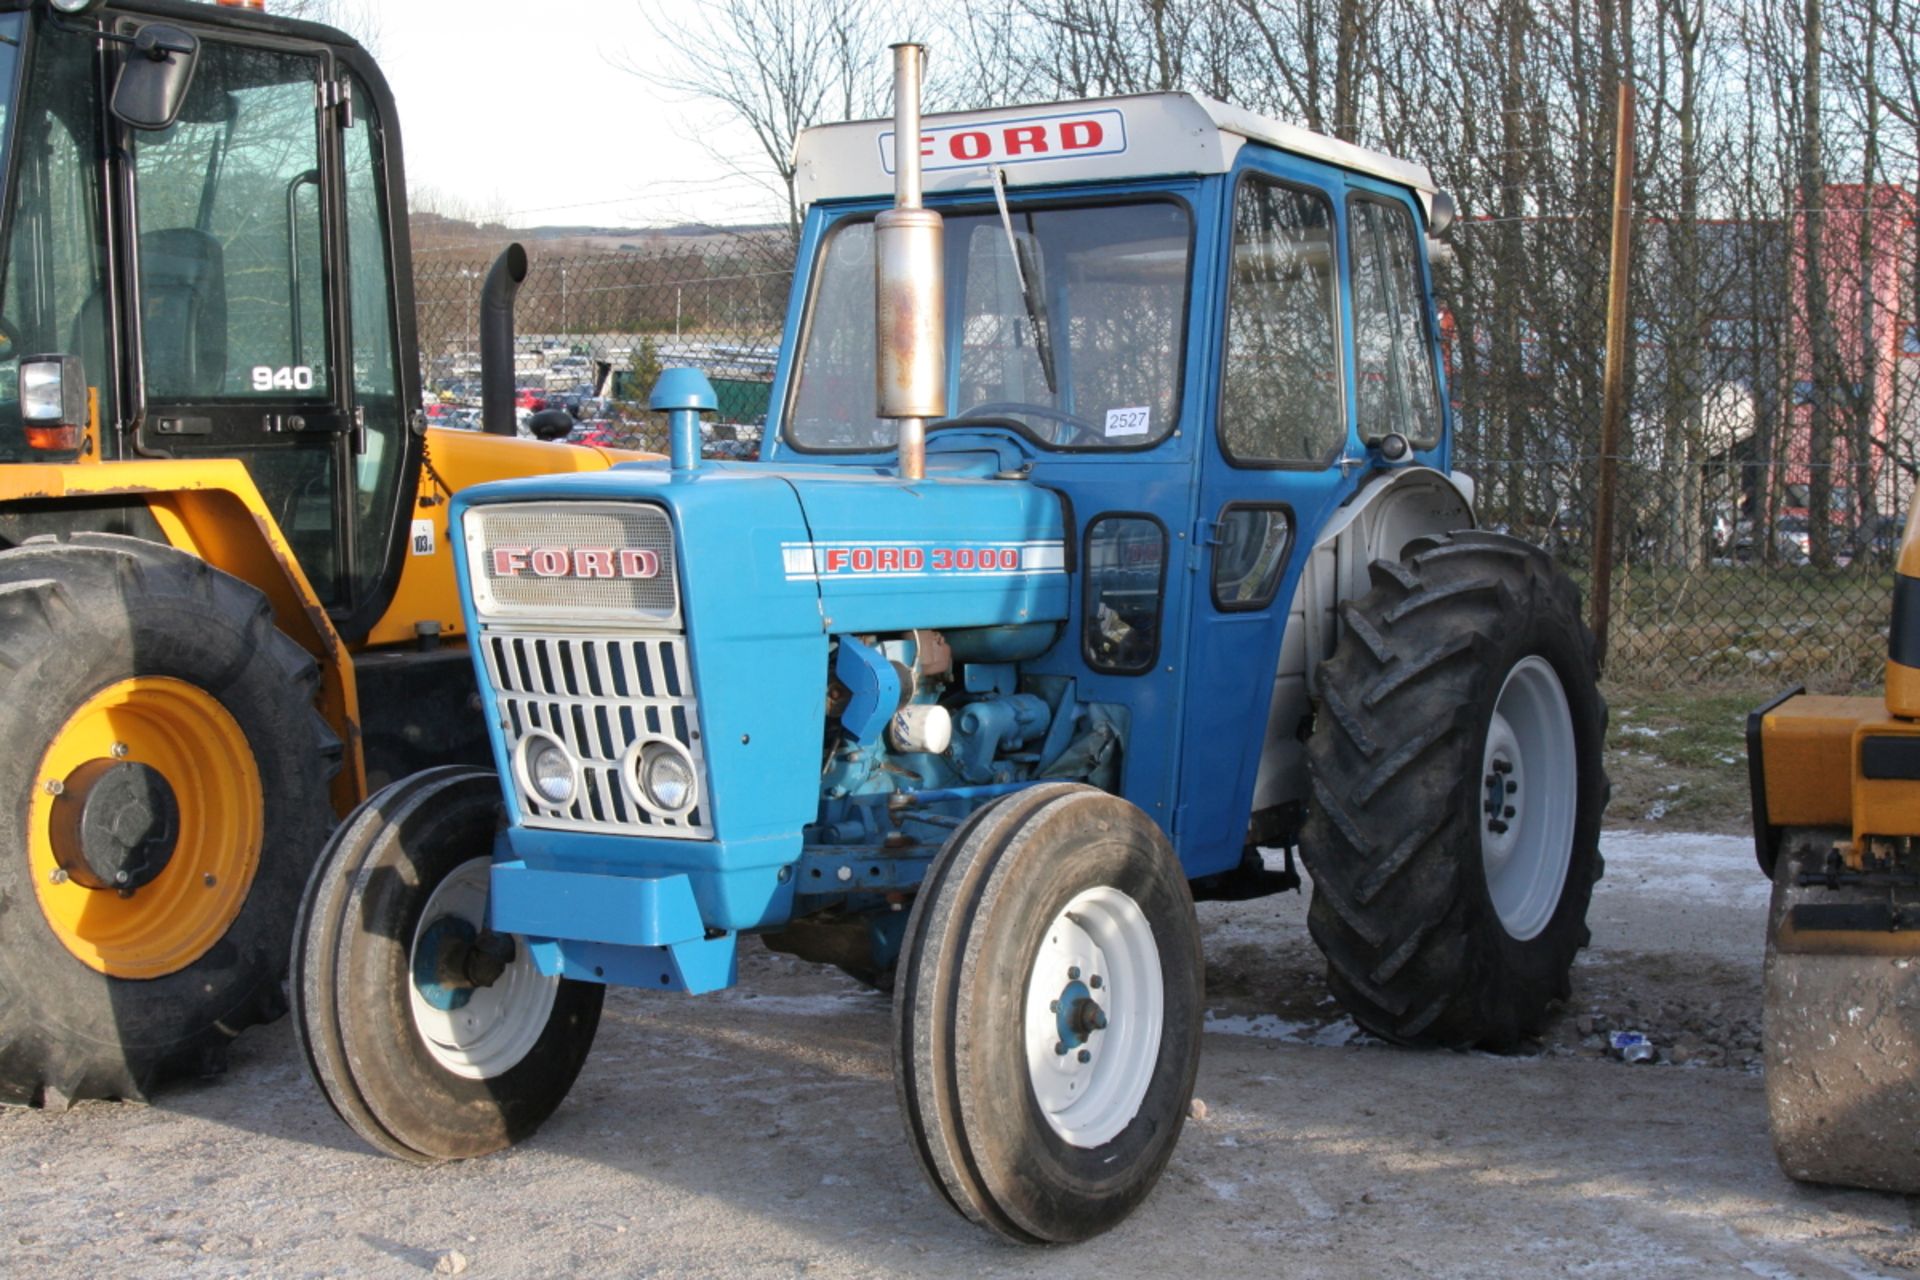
{"x": 1389, "y": 510}
{"x": 210, "y": 508}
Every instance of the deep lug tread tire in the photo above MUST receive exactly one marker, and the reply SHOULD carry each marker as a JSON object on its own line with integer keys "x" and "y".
{"x": 1401, "y": 910}
{"x": 77, "y": 614}
{"x": 1841, "y": 1037}
{"x": 352, "y": 976}
{"x": 959, "y": 1047}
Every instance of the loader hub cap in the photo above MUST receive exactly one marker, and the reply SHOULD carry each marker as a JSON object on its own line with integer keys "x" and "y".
{"x": 479, "y": 1005}
{"x": 144, "y": 827}
{"x": 1528, "y": 798}
{"x": 1095, "y": 1006}
{"x": 115, "y": 824}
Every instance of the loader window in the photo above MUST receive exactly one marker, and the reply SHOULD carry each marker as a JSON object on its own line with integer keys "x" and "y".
{"x": 54, "y": 298}
{"x": 1280, "y": 391}
{"x": 1392, "y": 348}
{"x": 376, "y": 376}
{"x": 231, "y": 274}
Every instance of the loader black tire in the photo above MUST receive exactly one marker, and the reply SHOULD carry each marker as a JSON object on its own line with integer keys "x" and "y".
{"x": 1061, "y": 1146}
{"x": 1403, "y": 904}
{"x": 1841, "y": 1037}
{"x": 104, "y": 994}
{"x": 358, "y": 954}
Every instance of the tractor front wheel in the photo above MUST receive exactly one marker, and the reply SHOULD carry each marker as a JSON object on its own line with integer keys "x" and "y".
{"x": 1047, "y": 1013}
{"x": 168, "y": 778}
{"x": 1457, "y": 791}
{"x": 432, "y": 1037}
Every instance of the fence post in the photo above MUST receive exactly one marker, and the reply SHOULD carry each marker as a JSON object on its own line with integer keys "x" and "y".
{"x": 1614, "y": 394}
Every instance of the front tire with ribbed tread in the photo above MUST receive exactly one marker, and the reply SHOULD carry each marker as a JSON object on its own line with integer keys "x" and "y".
{"x": 1402, "y": 910}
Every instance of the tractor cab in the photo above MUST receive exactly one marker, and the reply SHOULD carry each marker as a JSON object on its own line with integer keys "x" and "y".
{"x": 1207, "y": 331}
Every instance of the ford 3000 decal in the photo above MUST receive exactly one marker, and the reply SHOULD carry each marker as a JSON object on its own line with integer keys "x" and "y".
{"x": 818, "y": 560}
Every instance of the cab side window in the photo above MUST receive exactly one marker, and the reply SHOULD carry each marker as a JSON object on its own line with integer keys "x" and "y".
{"x": 1280, "y": 392}
{"x": 1392, "y": 347}
{"x": 376, "y": 376}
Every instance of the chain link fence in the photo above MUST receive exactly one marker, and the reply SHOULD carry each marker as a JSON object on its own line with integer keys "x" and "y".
{"x": 1762, "y": 392}
{"x": 593, "y": 329}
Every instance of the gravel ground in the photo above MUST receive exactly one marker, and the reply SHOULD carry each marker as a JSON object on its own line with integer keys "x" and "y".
{"x": 755, "y": 1133}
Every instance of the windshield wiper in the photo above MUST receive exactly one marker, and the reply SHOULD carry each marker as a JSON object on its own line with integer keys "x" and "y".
{"x": 1035, "y": 302}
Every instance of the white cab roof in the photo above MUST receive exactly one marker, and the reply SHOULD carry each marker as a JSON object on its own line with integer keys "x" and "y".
{"x": 1094, "y": 140}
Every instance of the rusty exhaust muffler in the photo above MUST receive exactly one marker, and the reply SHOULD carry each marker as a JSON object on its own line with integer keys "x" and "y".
{"x": 909, "y": 282}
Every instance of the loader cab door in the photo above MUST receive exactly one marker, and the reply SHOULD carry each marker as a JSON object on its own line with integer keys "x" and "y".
{"x": 255, "y": 236}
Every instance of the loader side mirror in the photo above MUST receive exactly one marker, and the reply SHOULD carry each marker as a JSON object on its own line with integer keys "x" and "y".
{"x": 155, "y": 76}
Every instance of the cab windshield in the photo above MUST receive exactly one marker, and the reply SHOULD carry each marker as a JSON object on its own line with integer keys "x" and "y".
{"x": 1070, "y": 330}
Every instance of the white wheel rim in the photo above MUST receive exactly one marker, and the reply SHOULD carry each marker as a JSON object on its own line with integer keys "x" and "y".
{"x": 1529, "y": 794}
{"x": 1090, "y": 1082}
{"x": 497, "y": 1025}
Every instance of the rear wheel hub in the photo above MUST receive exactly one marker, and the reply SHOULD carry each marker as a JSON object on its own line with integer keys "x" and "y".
{"x": 115, "y": 825}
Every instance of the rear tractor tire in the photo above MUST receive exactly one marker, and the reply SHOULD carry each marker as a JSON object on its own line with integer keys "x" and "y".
{"x": 1047, "y": 1013}
{"x": 168, "y": 776}
{"x": 431, "y": 1036}
{"x": 1841, "y": 1035}
{"x": 1458, "y": 785}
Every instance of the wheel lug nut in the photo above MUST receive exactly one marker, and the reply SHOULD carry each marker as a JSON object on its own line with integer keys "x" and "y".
{"x": 57, "y": 876}
{"x": 1508, "y": 812}
{"x": 54, "y": 786}
{"x": 1060, "y": 1047}
{"x": 119, "y": 751}
{"x": 1085, "y": 1056}
{"x": 1073, "y": 974}
{"x": 1512, "y": 786}
{"x": 1053, "y": 1006}
{"x": 209, "y": 879}
{"x": 1094, "y": 982}
{"x": 1498, "y": 827}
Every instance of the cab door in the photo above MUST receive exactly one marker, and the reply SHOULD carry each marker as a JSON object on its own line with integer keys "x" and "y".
{"x": 232, "y": 245}
{"x": 1280, "y": 461}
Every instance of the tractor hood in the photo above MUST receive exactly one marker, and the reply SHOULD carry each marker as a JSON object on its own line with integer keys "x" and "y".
{"x": 856, "y": 550}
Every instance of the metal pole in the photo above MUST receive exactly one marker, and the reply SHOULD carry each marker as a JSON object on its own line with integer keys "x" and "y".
{"x": 1613, "y": 402}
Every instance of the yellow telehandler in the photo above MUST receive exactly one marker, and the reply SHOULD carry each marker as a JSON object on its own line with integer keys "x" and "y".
{"x": 226, "y": 596}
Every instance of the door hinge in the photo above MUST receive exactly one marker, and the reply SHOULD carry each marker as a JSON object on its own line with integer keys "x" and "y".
{"x": 338, "y": 94}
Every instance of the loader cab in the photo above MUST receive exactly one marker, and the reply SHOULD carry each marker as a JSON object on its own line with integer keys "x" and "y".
{"x": 235, "y": 284}
{"x": 1207, "y": 332}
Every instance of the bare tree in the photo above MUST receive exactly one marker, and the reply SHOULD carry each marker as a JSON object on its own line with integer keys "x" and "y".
{"x": 776, "y": 66}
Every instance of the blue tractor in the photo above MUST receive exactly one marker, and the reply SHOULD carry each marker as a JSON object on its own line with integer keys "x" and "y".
{"x": 1144, "y": 558}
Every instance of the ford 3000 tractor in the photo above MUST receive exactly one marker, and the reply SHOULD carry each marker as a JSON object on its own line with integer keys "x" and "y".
{"x": 1149, "y": 560}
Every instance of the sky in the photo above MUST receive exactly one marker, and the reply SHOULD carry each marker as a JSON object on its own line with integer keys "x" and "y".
{"x": 523, "y": 108}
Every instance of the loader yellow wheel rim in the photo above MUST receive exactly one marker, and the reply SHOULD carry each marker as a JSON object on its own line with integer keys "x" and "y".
{"x": 181, "y": 732}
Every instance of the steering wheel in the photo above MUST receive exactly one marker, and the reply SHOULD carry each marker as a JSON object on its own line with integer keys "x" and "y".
{"x": 1082, "y": 429}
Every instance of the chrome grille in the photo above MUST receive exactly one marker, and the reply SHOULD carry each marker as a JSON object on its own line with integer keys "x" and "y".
{"x": 581, "y": 591}
{"x": 599, "y": 694}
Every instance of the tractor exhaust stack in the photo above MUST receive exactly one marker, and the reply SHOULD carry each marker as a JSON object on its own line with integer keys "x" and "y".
{"x": 909, "y": 282}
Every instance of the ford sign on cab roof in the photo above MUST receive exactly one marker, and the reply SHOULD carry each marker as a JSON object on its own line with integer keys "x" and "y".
{"x": 1095, "y": 140}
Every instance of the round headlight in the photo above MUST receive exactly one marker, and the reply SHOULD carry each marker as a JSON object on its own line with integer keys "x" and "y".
{"x": 666, "y": 778}
{"x": 547, "y": 769}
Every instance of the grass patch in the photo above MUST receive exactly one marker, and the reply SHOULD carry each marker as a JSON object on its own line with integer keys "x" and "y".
{"x": 1678, "y": 757}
